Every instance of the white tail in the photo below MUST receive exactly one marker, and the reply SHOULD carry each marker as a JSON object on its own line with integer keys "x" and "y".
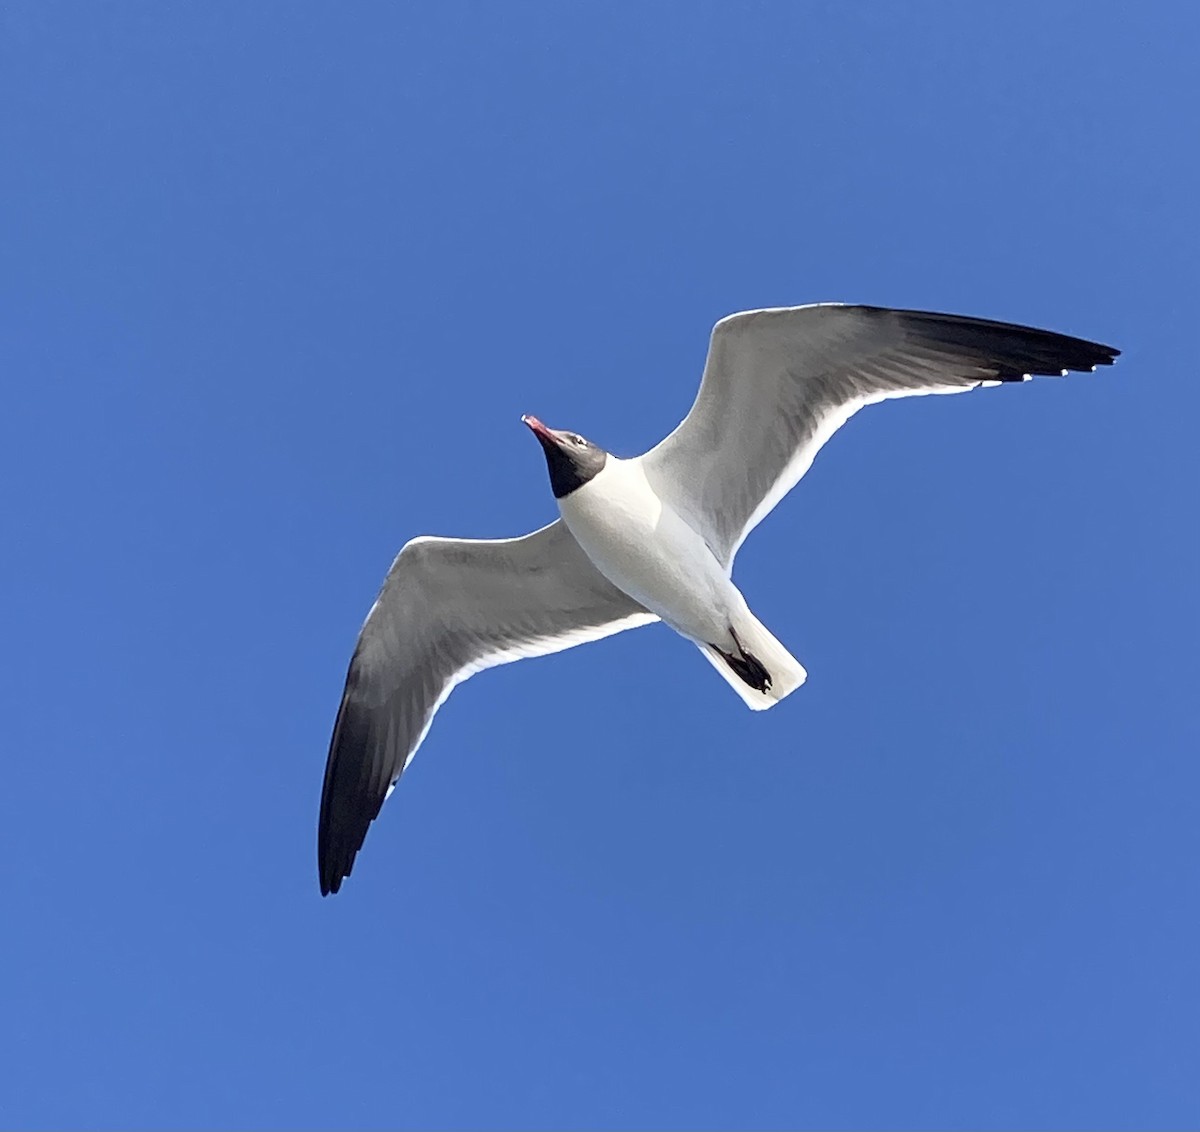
{"x": 786, "y": 672}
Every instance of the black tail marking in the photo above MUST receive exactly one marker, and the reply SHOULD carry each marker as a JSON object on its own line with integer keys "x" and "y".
{"x": 747, "y": 666}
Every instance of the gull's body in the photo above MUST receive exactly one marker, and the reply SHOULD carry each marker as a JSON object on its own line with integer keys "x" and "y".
{"x": 650, "y": 538}
{"x": 646, "y": 550}
{"x": 642, "y": 544}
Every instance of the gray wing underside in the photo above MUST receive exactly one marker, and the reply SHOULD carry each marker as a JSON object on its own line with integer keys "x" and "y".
{"x": 448, "y": 608}
{"x": 778, "y": 383}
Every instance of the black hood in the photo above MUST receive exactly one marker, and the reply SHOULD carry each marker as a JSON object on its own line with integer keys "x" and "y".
{"x": 571, "y": 459}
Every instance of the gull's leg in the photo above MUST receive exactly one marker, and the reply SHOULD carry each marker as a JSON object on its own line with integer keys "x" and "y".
{"x": 748, "y": 667}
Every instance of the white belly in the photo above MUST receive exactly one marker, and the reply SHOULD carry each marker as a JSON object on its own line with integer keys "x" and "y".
{"x": 644, "y": 548}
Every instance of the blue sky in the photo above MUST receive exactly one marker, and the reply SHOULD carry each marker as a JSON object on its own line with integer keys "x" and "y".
{"x": 278, "y": 282}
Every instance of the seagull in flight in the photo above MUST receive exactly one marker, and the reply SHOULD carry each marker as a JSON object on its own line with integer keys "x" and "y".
{"x": 651, "y": 538}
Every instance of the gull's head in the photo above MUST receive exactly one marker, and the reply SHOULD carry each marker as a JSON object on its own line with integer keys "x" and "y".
{"x": 571, "y": 458}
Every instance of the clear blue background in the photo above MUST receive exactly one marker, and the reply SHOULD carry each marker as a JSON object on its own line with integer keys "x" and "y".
{"x": 278, "y": 281}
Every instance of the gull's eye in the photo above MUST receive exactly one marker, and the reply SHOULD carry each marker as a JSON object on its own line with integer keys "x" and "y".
{"x": 578, "y": 440}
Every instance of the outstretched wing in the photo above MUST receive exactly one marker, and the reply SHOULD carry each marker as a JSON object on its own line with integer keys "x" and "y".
{"x": 778, "y": 383}
{"x": 449, "y": 608}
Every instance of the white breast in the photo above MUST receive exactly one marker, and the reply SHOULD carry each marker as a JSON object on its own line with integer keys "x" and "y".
{"x": 646, "y": 549}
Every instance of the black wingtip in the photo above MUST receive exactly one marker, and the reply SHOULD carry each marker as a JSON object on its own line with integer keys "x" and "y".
{"x": 337, "y": 846}
{"x": 1012, "y": 351}
{"x": 357, "y": 781}
{"x": 333, "y": 868}
{"x": 330, "y": 878}
{"x": 345, "y": 815}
